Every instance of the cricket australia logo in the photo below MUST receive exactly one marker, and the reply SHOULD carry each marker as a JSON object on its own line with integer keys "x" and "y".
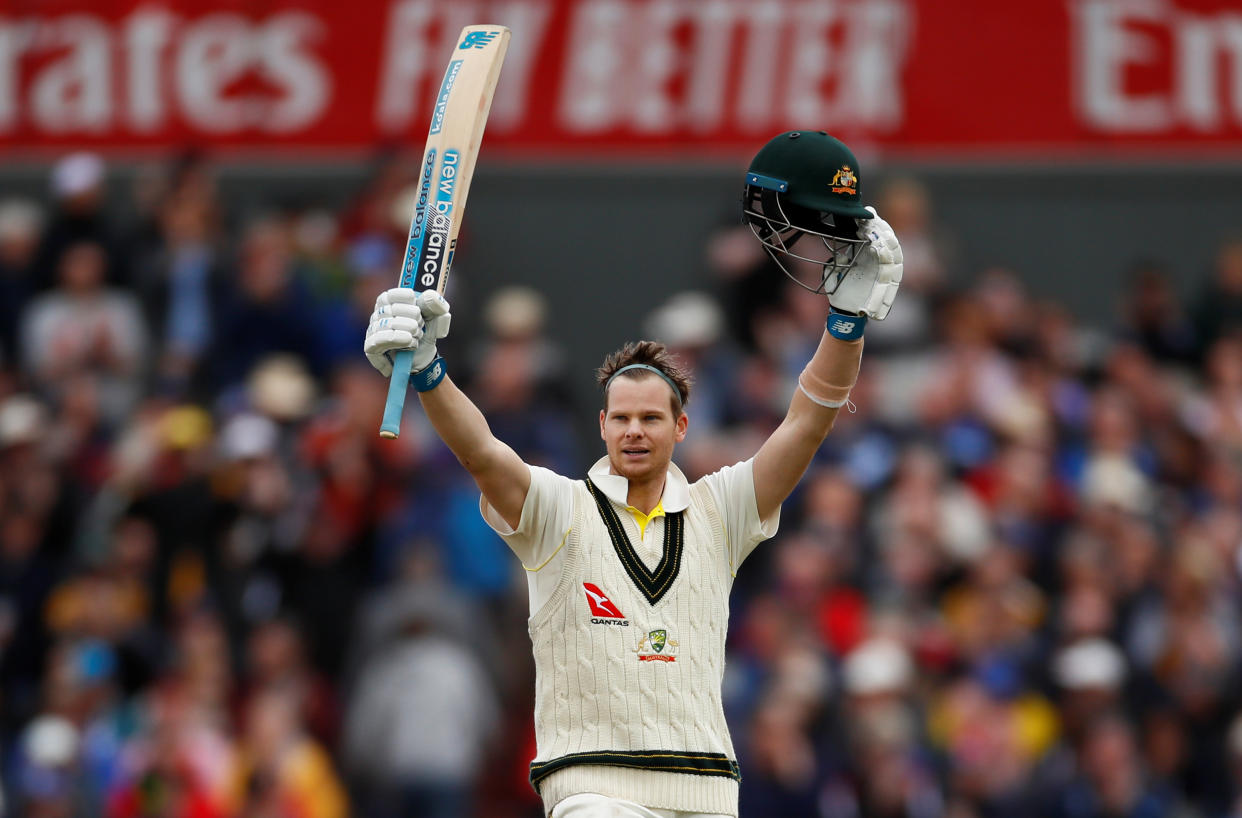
{"x": 603, "y": 610}
{"x": 657, "y": 647}
{"x": 844, "y": 181}
{"x": 477, "y": 39}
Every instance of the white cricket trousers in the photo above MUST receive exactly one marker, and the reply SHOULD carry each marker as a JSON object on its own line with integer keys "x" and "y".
{"x": 590, "y": 805}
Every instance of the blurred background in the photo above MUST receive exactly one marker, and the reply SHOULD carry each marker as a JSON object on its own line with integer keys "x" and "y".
{"x": 1009, "y": 585}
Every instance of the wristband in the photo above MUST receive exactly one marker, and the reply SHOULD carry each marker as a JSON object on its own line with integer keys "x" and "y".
{"x": 845, "y": 327}
{"x": 427, "y": 379}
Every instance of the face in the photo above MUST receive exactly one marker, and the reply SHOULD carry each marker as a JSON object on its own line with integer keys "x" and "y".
{"x": 82, "y": 268}
{"x": 639, "y": 428}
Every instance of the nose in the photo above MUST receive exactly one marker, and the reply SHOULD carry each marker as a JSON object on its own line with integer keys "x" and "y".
{"x": 633, "y": 428}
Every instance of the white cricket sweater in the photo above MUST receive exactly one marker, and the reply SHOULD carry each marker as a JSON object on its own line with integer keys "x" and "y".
{"x": 629, "y": 663}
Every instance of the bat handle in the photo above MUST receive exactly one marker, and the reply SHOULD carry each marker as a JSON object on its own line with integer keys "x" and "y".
{"x": 391, "y": 427}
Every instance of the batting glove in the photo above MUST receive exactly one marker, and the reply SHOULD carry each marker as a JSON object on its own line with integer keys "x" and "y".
{"x": 870, "y": 286}
{"x": 405, "y": 319}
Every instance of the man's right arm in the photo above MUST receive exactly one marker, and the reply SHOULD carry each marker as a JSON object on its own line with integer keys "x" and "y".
{"x": 500, "y": 474}
{"x": 404, "y": 319}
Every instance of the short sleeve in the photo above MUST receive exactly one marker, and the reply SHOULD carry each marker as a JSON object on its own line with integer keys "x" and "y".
{"x": 546, "y": 517}
{"x": 733, "y": 489}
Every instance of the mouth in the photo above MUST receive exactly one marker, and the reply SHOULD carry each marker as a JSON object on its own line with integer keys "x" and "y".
{"x": 635, "y": 452}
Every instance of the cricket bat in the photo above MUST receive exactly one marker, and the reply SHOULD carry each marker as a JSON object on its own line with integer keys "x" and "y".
{"x": 457, "y": 122}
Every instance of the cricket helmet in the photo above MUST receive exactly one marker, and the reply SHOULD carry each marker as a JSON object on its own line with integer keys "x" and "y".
{"x": 802, "y": 189}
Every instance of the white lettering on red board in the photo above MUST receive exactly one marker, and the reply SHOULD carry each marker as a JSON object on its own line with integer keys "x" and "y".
{"x": 664, "y": 67}
{"x": 420, "y": 34}
{"x": 649, "y": 67}
{"x": 79, "y": 73}
{"x": 1202, "y": 54}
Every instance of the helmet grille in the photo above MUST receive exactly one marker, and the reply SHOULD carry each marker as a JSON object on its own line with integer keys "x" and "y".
{"x": 827, "y": 243}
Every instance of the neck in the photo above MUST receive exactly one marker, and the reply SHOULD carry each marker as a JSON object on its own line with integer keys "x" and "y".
{"x": 645, "y": 496}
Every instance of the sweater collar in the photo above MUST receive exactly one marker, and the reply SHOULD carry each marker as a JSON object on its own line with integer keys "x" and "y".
{"x": 617, "y": 488}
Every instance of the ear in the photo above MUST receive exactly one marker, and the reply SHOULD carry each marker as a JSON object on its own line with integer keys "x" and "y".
{"x": 601, "y": 425}
{"x": 683, "y": 420}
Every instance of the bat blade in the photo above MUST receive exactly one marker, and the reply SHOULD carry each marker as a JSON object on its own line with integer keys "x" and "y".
{"x": 453, "y": 138}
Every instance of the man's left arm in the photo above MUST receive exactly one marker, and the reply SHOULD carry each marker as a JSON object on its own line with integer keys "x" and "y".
{"x": 866, "y": 291}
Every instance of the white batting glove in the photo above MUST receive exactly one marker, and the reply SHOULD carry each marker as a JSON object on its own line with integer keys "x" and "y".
{"x": 870, "y": 286}
{"x": 405, "y": 319}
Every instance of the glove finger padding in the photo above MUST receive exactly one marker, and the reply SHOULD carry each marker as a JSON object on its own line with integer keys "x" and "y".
{"x": 435, "y": 312}
{"x": 380, "y": 343}
{"x": 397, "y": 310}
{"x": 438, "y": 327}
{"x": 396, "y": 323}
{"x": 413, "y": 327}
{"x": 397, "y": 295}
{"x": 405, "y": 319}
{"x": 870, "y": 287}
{"x": 436, "y": 317}
{"x": 431, "y": 303}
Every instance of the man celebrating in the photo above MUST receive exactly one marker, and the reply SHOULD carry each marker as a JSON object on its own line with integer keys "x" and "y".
{"x": 630, "y": 569}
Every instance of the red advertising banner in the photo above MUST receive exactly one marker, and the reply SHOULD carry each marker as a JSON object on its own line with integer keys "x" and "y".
{"x": 681, "y": 78}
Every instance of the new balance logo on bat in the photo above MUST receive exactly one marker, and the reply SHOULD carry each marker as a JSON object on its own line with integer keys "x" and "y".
{"x": 477, "y": 39}
{"x": 603, "y": 610}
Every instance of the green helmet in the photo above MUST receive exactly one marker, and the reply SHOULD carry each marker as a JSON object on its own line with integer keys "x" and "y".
{"x": 807, "y": 183}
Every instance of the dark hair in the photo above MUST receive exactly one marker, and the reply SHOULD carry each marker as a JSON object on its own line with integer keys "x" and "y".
{"x": 651, "y": 353}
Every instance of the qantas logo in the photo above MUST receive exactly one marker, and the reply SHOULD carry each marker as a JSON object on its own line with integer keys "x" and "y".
{"x": 603, "y": 610}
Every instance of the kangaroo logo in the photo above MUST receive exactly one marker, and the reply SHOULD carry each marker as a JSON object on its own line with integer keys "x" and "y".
{"x": 657, "y": 647}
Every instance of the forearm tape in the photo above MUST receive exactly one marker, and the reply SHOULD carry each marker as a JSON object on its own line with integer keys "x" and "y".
{"x": 832, "y": 371}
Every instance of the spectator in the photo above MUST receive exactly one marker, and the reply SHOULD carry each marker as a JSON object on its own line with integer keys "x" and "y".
{"x": 419, "y": 721}
{"x": 263, "y": 311}
{"x": 276, "y": 660}
{"x": 520, "y": 380}
{"x": 882, "y": 765}
{"x": 180, "y": 759}
{"x": 370, "y": 263}
{"x": 1213, "y": 414}
{"x": 929, "y": 255}
{"x": 180, "y": 278}
{"x": 1112, "y": 780}
{"x": 1219, "y": 308}
{"x": 282, "y": 771}
{"x": 83, "y": 328}
{"x": 21, "y": 224}
{"x": 1154, "y": 317}
{"x": 80, "y": 214}
{"x": 747, "y": 278}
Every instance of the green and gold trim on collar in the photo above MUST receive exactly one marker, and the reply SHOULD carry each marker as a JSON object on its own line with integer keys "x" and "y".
{"x": 669, "y": 761}
{"x": 653, "y": 584}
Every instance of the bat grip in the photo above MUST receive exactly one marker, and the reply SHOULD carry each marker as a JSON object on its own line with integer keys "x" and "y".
{"x": 391, "y": 427}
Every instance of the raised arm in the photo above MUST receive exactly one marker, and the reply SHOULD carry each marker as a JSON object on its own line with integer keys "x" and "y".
{"x": 500, "y": 474}
{"x": 406, "y": 320}
{"x": 822, "y": 390}
{"x": 824, "y": 386}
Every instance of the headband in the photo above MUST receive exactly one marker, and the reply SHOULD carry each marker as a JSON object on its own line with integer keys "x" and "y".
{"x": 649, "y": 368}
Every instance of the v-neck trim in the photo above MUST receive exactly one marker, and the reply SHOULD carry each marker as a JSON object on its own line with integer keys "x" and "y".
{"x": 651, "y": 584}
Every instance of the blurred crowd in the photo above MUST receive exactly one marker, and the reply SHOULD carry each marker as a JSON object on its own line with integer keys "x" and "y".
{"x": 1010, "y": 584}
